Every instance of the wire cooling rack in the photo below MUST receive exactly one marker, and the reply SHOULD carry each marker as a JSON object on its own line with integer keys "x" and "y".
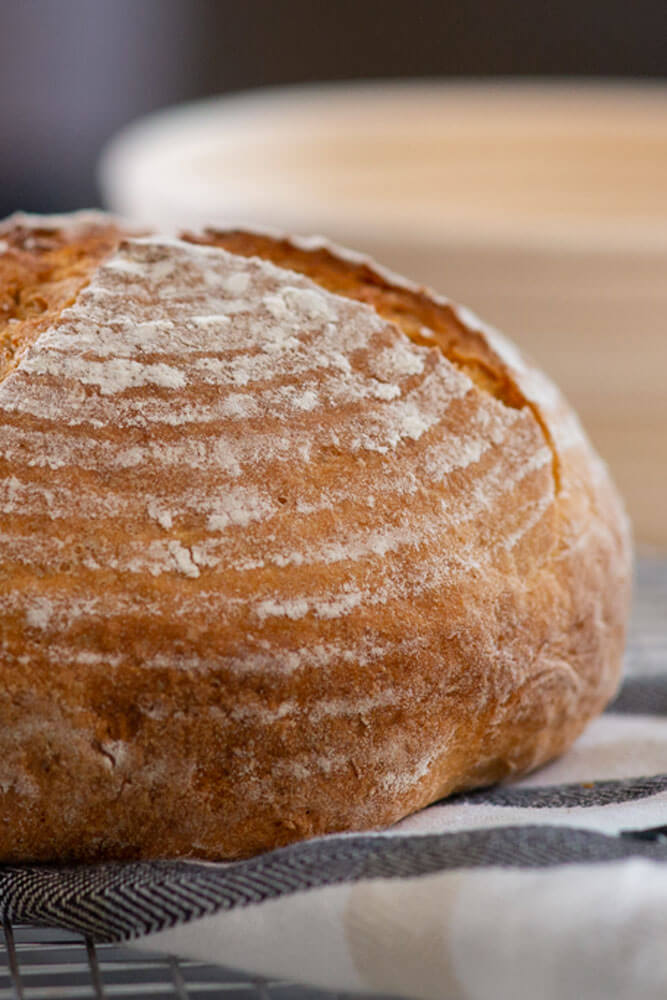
{"x": 43, "y": 963}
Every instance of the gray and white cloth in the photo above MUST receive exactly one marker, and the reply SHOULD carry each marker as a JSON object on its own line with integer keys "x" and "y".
{"x": 552, "y": 886}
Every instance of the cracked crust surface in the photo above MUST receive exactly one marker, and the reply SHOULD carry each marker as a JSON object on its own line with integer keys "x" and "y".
{"x": 290, "y": 546}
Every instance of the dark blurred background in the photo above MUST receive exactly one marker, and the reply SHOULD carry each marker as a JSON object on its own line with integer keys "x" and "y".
{"x": 72, "y": 72}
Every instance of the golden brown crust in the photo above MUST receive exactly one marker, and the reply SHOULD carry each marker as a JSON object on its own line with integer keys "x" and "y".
{"x": 414, "y": 310}
{"x": 277, "y": 563}
{"x": 43, "y": 267}
{"x": 424, "y": 318}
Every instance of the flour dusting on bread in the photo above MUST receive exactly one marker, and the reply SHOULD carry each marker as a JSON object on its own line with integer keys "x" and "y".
{"x": 288, "y": 546}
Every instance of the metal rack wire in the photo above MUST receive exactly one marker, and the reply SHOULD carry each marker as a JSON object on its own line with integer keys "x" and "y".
{"x": 43, "y": 963}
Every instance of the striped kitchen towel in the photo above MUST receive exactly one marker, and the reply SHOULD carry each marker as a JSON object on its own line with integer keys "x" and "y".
{"x": 551, "y": 887}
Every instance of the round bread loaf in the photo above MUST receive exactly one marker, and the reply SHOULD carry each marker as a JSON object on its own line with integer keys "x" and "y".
{"x": 289, "y": 546}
